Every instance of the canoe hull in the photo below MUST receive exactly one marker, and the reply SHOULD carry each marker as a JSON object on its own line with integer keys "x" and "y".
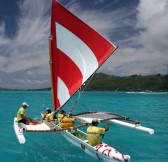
{"x": 102, "y": 151}
{"x": 18, "y": 132}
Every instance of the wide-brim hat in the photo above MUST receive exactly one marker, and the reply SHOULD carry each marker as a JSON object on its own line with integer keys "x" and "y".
{"x": 95, "y": 120}
{"x": 24, "y": 104}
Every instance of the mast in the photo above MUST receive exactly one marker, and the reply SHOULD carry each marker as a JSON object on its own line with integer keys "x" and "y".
{"x": 51, "y": 78}
{"x": 52, "y": 46}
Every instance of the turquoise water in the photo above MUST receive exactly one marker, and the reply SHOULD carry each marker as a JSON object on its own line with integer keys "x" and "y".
{"x": 149, "y": 108}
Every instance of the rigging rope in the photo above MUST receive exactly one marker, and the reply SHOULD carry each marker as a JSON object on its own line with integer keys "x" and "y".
{"x": 81, "y": 92}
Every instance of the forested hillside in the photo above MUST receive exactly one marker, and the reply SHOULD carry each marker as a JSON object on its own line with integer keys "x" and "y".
{"x": 103, "y": 82}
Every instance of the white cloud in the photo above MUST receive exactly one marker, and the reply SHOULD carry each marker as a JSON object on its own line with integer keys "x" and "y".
{"x": 147, "y": 52}
{"x": 129, "y": 61}
{"x": 153, "y": 18}
{"x": 24, "y": 57}
{"x": 28, "y": 49}
{"x": 31, "y": 41}
{"x": 106, "y": 22}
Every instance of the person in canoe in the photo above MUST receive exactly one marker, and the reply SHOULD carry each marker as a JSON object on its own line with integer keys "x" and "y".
{"x": 65, "y": 121}
{"x": 45, "y": 113}
{"x": 68, "y": 121}
{"x": 94, "y": 132}
{"x": 21, "y": 115}
{"x": 60, "y": 116}
{"x": 49, "y": 116}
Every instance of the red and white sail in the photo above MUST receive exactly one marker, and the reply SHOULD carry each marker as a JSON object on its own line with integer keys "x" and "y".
{"x": 76, "y": 52}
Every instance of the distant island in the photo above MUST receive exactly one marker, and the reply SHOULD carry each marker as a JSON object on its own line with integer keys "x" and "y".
{"x": 134, "y": 83}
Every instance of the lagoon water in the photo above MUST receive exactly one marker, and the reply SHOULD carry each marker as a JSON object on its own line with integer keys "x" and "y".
{"x": 151, "y": 109}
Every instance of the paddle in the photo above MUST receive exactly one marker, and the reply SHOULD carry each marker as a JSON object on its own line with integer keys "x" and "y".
{"x": 82, "y": 125}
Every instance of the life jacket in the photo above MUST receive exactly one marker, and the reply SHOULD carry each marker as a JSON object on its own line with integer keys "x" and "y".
{"x": 60, "y": 116}
{"x": 49, "y": 117}
{"x": 45, "y": 114}
{"x": 67, "y": 122}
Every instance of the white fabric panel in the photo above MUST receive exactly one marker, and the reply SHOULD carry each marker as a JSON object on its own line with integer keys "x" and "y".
{"x": 77, "y": 51}
{"x": 63, "y": 92}
{"x": 43, "y": 126}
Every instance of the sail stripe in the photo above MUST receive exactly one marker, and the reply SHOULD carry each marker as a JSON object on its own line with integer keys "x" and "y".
{"x": 100, "y": 46}
{"x": 63, "y": 92}
{"x": 71, "y": 75}
{"x": 77, "y": 50}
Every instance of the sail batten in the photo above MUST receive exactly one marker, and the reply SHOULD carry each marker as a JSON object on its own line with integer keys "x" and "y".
{"x": 77, "y": 51}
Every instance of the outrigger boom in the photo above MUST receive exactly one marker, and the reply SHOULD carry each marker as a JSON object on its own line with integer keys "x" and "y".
{"x": 114, "y": 118}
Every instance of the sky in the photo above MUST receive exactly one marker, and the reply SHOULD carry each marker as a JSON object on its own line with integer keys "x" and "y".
{"x": 138, "y": 27}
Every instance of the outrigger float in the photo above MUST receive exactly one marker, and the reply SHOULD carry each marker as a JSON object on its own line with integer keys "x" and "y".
{"x": 76, "y": 52}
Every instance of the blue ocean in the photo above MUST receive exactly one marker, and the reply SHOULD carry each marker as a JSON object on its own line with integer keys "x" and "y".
{"x": 151, "y": 109}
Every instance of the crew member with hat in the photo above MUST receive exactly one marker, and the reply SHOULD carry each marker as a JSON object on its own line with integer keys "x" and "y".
{"x": 21, "y": 115}
{"x": 94, "y": 132}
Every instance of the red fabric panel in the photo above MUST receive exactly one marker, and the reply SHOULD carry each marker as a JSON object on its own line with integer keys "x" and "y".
{"x": 98, "y": 44}
{"x": 69, "y": 73}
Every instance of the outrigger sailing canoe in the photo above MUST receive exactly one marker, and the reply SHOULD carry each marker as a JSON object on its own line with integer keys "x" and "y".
{"x": 76, "y": 52}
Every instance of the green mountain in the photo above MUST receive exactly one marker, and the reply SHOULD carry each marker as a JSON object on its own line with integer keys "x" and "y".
{"x": 103, "y": 82}
{"x": 136, "y": 83}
